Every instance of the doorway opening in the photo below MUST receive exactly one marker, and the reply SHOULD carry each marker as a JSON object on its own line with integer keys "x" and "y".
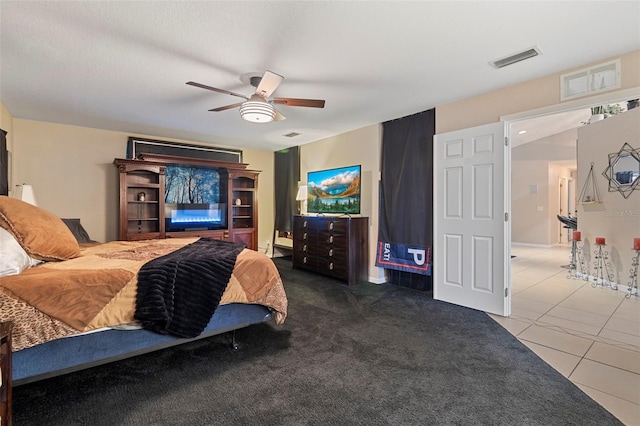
{"x": 554, "y": 148}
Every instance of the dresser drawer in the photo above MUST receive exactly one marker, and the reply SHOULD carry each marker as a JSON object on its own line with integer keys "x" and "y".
{"x": 328, "y": 238}
{"x": 303, "y": 260}
{"x": 332, "y": 226}
{"x": 328, "y": 251}
{"x": 301, "y": 247}
{"x": 300, "y": 224}
{"x": 333, "y": 267}
{"x": 305, "y": 236}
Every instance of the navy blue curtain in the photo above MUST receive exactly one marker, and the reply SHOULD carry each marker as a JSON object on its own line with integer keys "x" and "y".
{"x": 286, "y": 177}
{"x": 405, "y": 234}
{"x": 4, "y": 164}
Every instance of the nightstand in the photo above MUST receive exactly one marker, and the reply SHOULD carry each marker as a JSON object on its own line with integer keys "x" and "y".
{"x": 5, "y": 373}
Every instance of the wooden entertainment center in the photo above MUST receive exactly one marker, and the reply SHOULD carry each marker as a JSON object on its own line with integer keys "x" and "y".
{"x": 143, "y": 208}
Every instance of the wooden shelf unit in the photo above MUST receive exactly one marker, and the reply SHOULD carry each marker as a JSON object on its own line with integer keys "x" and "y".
{"x": 332, "y": 245}
{"x": 146, "y": 219}
{"x": 141, "y": 216}
{"x": 244, "y": 206}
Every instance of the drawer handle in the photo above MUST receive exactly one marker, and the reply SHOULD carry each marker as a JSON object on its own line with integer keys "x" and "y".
{"x": 331, "y": 238}
{"x": 331, "y": 266}
{"x": 304, "y": 259}
{"x": 304, "y": 247}
{"x": 330, "y": 252}
{"x": 331, "y": 225}
{"x": 304, "y": 236}
{"x": 304, "y": 224}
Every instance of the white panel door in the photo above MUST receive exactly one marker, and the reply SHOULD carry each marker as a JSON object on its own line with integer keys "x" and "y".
{"x": 471, "y": 229}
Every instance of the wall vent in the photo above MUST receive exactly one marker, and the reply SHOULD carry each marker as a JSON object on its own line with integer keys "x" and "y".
{"x": 588, "y": 81}
{"x": 516, "y": 57}
{"x": 291, "y": 135}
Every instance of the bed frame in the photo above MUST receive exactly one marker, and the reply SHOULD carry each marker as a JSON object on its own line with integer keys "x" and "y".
{"x": 75, "y": 353}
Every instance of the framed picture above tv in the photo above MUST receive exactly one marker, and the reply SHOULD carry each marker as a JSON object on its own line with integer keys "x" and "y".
{"x": 334, "y": 191}
{"x": 137, "y": 147}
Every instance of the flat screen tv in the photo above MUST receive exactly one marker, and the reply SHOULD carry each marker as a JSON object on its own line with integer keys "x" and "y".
{"x": 194, "y": 198}
{"x": 334, "y": 191}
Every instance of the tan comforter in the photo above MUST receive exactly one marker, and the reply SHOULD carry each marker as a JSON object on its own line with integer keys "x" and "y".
{"x": 98, "y": 289}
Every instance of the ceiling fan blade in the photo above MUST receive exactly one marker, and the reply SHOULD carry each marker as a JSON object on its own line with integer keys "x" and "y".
{"x": 224, "y": 108}
{"x": 311, "y": 103}
{"x": 270, "y": 81}
{"x": 215, "y": 89}
{"x": 278, "y": 116}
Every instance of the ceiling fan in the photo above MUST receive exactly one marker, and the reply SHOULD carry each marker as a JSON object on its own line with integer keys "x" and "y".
{"x": 259, "y": 108}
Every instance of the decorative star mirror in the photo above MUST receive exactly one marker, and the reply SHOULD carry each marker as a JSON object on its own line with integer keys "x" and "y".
{"x": 624, "y": 170}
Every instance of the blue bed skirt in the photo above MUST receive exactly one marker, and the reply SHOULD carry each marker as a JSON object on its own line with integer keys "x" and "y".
{"x": 88, "y": 350}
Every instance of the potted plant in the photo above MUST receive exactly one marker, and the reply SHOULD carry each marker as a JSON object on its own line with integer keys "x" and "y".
{"x": 597, "y": 113}
{"x": 613, "y": 109}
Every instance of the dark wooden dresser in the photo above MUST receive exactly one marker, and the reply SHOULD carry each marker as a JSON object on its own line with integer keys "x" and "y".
{"x": 5, "y": 374}
{"x": 332, "y": 245}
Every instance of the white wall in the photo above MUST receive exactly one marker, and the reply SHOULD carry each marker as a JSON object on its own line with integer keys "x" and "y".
{"x": 43, "y": 151}
{"x": 560, "y": 147}
{"x": 362, "y": 147}
{"x": 71, "y": 169}
{"x": 529, "y": 203}
{"x": 530, "y": 95}
{"x": 537, "y": 164}
{"x": 617, "y": 219}
{"x": 538, "y": 95}
{"x": 555, "y": 227}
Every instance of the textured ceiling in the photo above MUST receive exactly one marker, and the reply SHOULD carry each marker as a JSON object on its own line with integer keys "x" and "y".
{"x": 123, "y": 65}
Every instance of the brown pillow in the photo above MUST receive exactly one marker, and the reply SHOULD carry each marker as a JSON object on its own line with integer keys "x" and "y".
{"x": 41, "y": 234}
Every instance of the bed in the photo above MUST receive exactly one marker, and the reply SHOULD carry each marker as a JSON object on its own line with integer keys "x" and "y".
{"x": 75, "y": 303}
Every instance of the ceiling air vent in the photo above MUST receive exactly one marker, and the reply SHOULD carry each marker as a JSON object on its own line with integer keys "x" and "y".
{"x": 291, "y": 135}
{"x": 516, "y": 57}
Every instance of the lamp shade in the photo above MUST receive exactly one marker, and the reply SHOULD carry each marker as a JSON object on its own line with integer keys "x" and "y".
{"x": 302, "y": 193}
{"x": 25, "y": 193}
{"x": 257, "y": 110}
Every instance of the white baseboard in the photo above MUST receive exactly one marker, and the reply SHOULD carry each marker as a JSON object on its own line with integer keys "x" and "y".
{"x": 606, "y": 283}
{"x": 513, "y": 243}
{"x": 377, "y": 280}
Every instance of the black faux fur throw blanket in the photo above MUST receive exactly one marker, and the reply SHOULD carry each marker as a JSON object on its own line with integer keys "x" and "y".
{"x": 178, "y": 292}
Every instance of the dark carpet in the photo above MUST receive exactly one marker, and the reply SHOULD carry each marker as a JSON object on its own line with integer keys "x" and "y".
{"x": 347, "y": 355}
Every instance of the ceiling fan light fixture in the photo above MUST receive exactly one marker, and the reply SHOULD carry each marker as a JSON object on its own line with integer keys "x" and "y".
{"x": 257, "y": 111}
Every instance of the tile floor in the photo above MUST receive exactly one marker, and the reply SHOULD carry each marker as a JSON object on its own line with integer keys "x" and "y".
{"x": 591, "y": 335}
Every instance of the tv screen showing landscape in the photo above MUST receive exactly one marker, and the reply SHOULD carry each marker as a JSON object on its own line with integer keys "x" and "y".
{"x": 334, "y": 191}
{"x": 192, "y": 198}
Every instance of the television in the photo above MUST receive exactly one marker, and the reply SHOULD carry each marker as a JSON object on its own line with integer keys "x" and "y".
{"x": 193, "y": 198}
{"x": 334, "y": 191}
{"x": 195, "y": 216}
